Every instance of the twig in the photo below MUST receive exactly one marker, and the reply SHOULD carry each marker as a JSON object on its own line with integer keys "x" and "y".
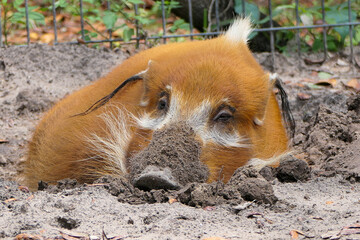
{"x": 96, "y": 30}
{"x": 209, "y": 15}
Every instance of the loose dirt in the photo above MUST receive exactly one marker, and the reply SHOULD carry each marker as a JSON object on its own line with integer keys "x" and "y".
{"x": 315, "y": 192}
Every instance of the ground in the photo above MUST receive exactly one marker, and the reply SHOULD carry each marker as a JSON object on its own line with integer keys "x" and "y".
{"x": 296, "y": 201}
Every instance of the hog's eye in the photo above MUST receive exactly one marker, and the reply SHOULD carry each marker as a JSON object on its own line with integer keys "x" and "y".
{"x": 224, "y": 116}
{"x": 163, "y": 103}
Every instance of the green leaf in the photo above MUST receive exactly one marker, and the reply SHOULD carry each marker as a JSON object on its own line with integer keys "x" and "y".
{"x": 324, "y": 75}
{"x": 135, "y": 1}
{"x": 127, "y": 33}
{"x": 250, "y": 10}
{"x": 340, "y": 15}
{"x": 109, "y": 19}
{"x": 17, "y": 3}
{"x": 61, "y": 3}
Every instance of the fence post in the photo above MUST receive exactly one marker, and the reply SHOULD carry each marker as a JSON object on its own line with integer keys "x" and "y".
{"x": 351, "y": 34}
{"x": 0, "y": 29}
{"x": 54, "y": 21}
{"x": 27, "y": 21}
{"x": 163, "y": 20}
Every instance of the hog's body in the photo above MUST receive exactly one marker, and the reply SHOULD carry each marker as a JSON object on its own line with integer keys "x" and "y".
{"x": 214, "y": 86}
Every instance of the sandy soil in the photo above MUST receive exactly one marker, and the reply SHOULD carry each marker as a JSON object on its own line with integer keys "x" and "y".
{"x": 320, "y": 200}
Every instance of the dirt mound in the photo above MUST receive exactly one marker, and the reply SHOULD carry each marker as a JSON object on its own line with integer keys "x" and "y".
{"x": 248, "y": 207}
{"x": 173, "y": 152}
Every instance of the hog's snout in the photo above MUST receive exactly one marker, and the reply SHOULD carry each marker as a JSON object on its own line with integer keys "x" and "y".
{"x": 153, "y": 177}
{"x": 171, "y": 160}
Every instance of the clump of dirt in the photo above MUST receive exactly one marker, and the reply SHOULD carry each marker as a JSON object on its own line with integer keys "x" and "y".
{"x": 292, "y": 169}
{"x": 252, "y": 186}
{"x": 174, "y": 152}
{"x": 327, "y": 127}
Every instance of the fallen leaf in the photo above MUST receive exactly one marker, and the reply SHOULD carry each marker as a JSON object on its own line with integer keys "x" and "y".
{"x": 30, "y": 197}
{"x": 353, "y": 83}
{"x": 341, "y": 62}
{"x": 74, "y": 236}
{"x": 215, "y": 238}
{"x": 242, "y": 206}
{"x": 324, "y": 75}
{"x": 209, "y": 208}
{"x": 312, "y": 86}
{"x": 172, "y": 200}
{"x": 10, "y": 200}
{"x": 330, "y": 234}
{"x": 327, "y": 82}
{"x": 352, "y": 229}
{"x": 294, "y": 234}
{"x": 253, "y": 214}
{"x": 24, "y": 189}
{"x": 34, "y": 36}
{"x": 4, "y": 141}
{"x": 329, "y": 202}
{"x": 47, "y": 38}
{"x": 311, "y": 61}
{"x": 303, "y": 96}
{"x": 25, "y": 236}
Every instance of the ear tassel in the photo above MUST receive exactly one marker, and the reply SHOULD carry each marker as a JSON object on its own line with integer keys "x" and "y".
{"x": 286, "y": 111}
{"x": 107, "y": 98}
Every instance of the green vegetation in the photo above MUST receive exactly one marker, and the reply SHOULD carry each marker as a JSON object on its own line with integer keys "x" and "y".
{"x": 120, "y": 18}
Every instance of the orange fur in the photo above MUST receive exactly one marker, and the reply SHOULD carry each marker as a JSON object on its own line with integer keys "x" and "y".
{"x": 212, "y": 69}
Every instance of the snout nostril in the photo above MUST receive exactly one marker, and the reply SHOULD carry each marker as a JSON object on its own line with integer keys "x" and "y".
{"x": 152, "y": 177}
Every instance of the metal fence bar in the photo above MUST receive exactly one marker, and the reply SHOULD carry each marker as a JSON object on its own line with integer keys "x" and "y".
{"x": 217, "y": 15}
{"x": 54, "y": 21}
{"x": 272, "y": 30}
{"x": 109, "y": 30}
{"x": 324, "y": 29}
{"x": 351, "y": 34}
{"x": 82, "y": 20}
{"x": 191, "y": 19}
{"x": 243, "y": 8}
{"x": 298, "y": 31}
{"x": 163, "y": 20}
{"x": 137, "y": 26}
{"x": 0, "y": 28}
{"x": 272, "y": 44}
{"x": 27, "y": 21}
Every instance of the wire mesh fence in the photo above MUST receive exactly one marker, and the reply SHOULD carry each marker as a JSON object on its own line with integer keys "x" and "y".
{"x": 350, "y": 22}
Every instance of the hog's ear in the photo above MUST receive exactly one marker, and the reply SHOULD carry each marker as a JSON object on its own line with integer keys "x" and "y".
{"x": 285, "y": 106}
{"x": 148, "y": 76}
{"x": 239, "y": 31}
{"x": 260, "y": 115}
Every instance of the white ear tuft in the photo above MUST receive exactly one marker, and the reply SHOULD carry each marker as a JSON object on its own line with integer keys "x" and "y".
{"x": 239, "y": 31}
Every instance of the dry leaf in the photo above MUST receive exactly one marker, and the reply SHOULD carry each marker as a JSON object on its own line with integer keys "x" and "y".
{"x": 209, "y": 208}
{"x": 30, "y": 197}
{"x": 172, "y": 200}
{"x": 34, "y": 36}
{"x": 303, "y": 96}
{"x": 253, "y": 214}
{"x": 73, "y": 236}
{"x": 353, "y": 83}
{"x": 329, "y": 202}
{"x": 24, "y": 189}
{"x": 352, "y": 229}
{"x": 328, "y": 82}
{"x": 10, "y": 200}
{"x": 47, "y": 38}
{"x": 294, "y": 234}
{"x": 4, "y": 141}
{"x": 215, "y": 238}
{"x": 25, "y": 236}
